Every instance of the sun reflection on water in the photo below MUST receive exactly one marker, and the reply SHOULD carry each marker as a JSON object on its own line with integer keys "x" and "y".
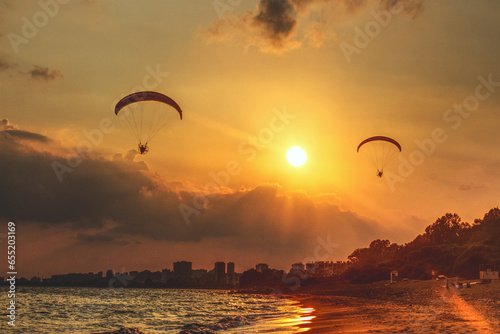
{"x": 300, "y": 321}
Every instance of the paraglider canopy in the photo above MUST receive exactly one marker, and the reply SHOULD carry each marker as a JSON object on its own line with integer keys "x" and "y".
{"x": 147, "y": 113}
{"x": 146, "y": 96}
{"x": 379, "y": 150}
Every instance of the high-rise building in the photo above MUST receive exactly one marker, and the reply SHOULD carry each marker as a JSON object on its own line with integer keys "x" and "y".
{"x": 230, "y": 267}
{"x": 220, "y": 272}
{"x": 182, "y": 271}
{"x": 110, "y": 274}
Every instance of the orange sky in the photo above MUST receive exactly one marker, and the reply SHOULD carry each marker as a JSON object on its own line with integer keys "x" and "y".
{"x": 253, "y": 79}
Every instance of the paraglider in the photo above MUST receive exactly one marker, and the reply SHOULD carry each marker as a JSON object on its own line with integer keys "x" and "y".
{"x": 380, "y": 150}
{"x": 147, "y": 113}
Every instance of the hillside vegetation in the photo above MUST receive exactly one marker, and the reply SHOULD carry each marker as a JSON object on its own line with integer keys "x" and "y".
{"x": 449, "y": 246}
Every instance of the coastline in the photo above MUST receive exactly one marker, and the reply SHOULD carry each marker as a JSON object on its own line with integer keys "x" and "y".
{"x": 404, "y": 307}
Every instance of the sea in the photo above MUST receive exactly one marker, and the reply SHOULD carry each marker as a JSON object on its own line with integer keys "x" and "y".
{"x": 186, "y": 311}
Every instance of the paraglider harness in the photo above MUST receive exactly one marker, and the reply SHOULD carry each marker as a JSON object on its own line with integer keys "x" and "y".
{"x": 143, "y": 149}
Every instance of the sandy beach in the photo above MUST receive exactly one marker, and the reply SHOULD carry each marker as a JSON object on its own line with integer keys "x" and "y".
{"x": 404, "y": 307}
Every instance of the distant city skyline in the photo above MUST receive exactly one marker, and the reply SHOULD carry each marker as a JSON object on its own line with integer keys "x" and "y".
{"x": 183, "y": 272}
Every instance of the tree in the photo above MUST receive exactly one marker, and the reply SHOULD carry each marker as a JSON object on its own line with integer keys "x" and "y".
{"x": 449, "y": 229}
{"x": 378, "y": 251}
{"x": 487, "y": 230}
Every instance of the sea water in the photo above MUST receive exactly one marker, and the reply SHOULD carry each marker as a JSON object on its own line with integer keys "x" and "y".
{"x": 90, "y": 310}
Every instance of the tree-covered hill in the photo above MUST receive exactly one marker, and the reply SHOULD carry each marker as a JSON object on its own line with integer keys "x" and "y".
{"x": 449, "y": 247}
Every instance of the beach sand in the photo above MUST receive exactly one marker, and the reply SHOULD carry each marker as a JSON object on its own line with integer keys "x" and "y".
{"x": 404, "y": 307}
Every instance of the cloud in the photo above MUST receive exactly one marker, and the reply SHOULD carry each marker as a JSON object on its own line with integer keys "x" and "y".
{"x": 12, "y": 132}
{"x": 318, "y": 32}
{"x": 274, "y": 25}
{"x": 276, "y": 21}
{"x": 26, "y": 135}
{"x": 118, "y": 200}
{"x": 6, "y": 125}
{"x": 271, "y": 27}
{"x": 36, "y": 72}
{"x": 85, "y": 238}
{"x": 6, "y": 65}
{"x": 412, "y": 8}
{"x": 44, "y": 73}
{"x": 471, "y": 186}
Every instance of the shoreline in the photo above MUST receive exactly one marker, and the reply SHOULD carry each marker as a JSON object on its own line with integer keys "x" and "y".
{"x": 404, "y": 307}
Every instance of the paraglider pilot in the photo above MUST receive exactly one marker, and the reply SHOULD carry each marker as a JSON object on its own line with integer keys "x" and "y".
{"x": 143, "y": 149}
{"x": 380, "y": 173}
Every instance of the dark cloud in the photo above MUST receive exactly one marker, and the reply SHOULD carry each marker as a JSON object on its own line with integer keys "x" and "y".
{"x": 277, "y": 20}
{"x": 26, "y": 135}
{"x": 44, "y": 73}
{"x": 11, "y": 131}
{"x": 82, "y": 200}
{"x": 118, "y": 200}
{"x": 6, "y": 65}
{"x": 36, "y": 72}
{"x": 6, "y": 125}
{"x": 273, "y": 26}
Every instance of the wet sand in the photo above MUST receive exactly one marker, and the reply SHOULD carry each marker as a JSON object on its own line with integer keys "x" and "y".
{"x": 404, "y": 307}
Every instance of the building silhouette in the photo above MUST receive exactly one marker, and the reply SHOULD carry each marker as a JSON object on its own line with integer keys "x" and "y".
{"x": 326, "y": 268}
{"x": 232, "y": 278}
{"x": 220, "y": 272}
{"x": 182, "y": 276}
{"x": 183, "y": 271}
{"x": 230, "y": 268}
{"x": 110, "y": 274}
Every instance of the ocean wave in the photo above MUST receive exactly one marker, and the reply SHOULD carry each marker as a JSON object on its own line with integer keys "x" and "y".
{"x": 223, "y": 324}
{"x": 124, "y": 330}
{"x": 194, "y": 328}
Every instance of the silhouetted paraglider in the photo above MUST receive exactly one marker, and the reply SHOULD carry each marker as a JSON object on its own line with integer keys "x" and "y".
{"x": 147, "y": 113}
{"x": 379, "y": 150}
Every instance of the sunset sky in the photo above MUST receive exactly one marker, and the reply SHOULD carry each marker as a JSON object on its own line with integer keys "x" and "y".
{"x": 253, "y": 78}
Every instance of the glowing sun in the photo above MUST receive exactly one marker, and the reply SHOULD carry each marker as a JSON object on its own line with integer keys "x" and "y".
{"x": 296, "y": 156}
